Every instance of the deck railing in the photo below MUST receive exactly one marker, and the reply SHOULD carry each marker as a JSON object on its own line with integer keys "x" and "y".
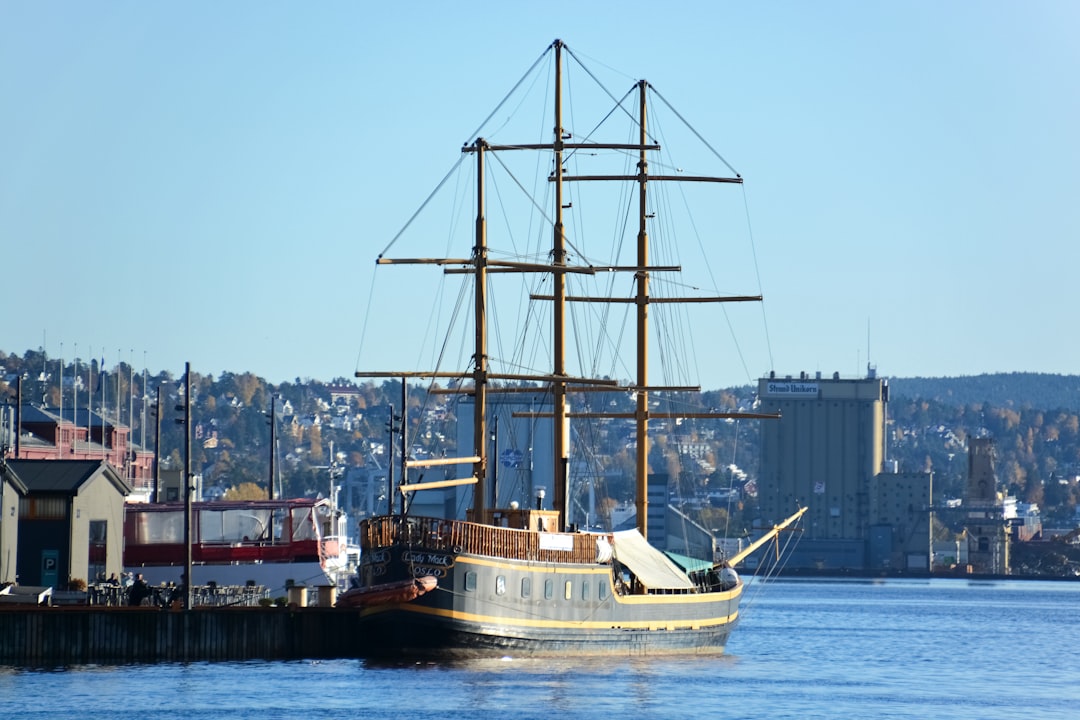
{"x": 458, "y": 536}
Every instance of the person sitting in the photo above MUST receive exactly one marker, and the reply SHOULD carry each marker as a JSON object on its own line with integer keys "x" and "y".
{"x": 138, "y": 592}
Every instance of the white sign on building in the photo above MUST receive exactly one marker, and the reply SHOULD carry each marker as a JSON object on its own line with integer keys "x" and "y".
{"x": 792, "y": 389}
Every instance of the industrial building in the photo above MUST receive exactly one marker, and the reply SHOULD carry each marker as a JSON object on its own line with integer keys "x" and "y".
{"x": 828, "y": 451}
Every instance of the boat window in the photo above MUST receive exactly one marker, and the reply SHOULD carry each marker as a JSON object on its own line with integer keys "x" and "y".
{"x": 470, "y": 581}
{"x": 585, "y": 590}
{"x": 569, "y": 589}
{"x": 603, "y": 591}
{"x": 500, "y": 585}
{"x": 526, "y": 587}
{"x": 235, "y": 525}
{"x": 159, "y": 527}
{"x": 549, "y": 589}
{"x": 303, "y": 524}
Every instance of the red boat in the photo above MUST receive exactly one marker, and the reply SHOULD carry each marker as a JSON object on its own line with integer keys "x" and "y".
{"x": 234, "y": 542}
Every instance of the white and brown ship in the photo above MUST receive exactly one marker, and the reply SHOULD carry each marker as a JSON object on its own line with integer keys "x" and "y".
{"x": 521, "y": 580}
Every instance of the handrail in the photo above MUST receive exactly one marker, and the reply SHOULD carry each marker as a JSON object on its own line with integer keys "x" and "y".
{"x": 477, "y": 539}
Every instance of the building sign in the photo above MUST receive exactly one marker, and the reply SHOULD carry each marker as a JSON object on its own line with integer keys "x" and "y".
{"x": 553, "y": 541}
{"x": 792, "y": 389}
{"x": 50, "y": 567}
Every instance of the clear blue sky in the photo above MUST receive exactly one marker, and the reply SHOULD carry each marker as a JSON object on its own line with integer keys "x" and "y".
{"x": 211, "y": 181}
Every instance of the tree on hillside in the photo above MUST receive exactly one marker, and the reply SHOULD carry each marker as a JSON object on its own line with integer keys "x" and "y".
{"x": 315, "y": 444}
{"x": 245, "y": 491}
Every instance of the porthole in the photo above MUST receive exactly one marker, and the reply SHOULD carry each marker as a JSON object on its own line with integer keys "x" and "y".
{"x": 470, "y": 581}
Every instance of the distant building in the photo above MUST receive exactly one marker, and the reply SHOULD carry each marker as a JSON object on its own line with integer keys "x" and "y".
{"x": 1023, "y": 519}
{"x": 172, "y": 486}
{"x": 981, "y": 489}
{"x": 900, "y": 521}
{"x": 31, "y": 432}
{"x": 827, "y": 452}
{"x": 521, "y": 462}
{"x": 984, "y": 511}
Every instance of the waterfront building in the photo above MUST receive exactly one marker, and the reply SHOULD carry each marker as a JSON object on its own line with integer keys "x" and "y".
{"x": 11, "y": 489}
{"x": 71, "y": 521}
{"x": 828, "y": 452}
{"x": 984, "y": 512}
{"x": 32, "y": 432}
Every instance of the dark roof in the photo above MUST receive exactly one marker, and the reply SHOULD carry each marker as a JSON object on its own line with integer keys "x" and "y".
{"x": 32, "y": 414}
{"x": 64, "y": 476}
{"x": 83, "y": 417}
{"x": 11, "y": 477}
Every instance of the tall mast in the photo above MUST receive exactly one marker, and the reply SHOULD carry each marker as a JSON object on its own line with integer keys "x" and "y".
{"x": 641, "y": 413}
{"x": 403, "y": 432}
{"x": 480, "y": 361}
{"x": 560, "y": 422}
{"x": 273, "y": 444}
{"x": 60, "y": 425}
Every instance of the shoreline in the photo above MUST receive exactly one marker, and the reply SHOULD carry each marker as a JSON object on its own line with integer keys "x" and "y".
{"x": 841, "y": 574}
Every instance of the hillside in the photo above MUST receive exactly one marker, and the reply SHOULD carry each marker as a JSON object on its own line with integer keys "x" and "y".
{"x": 1033, "y": 418}
{"x": 1014, "y": 390}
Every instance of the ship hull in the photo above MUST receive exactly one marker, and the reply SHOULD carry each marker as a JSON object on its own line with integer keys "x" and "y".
{"x": 486, "y": 606}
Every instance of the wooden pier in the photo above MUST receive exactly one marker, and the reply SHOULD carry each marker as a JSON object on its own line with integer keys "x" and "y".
{"x": 76, "y": 635}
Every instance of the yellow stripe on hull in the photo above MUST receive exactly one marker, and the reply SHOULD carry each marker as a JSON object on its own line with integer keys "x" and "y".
{"x": 693, "y": 624}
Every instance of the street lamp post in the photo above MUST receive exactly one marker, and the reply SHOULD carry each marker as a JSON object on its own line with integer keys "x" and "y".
{"x": 186, "y": 422}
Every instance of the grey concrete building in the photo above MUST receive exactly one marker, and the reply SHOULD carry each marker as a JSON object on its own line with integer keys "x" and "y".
{"x": 900, "y": 505}
{"x": 828, "y": 452}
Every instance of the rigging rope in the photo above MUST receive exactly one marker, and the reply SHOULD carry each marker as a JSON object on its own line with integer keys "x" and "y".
{"x": 618, "y": 103}
{"x": 422, "y": 206}
{"x": 367, "y": 315}
{"x": 775, "y": 568}
{"x": 693, "y": 130}
{"x": 757, "y": 273}
{"x": 512, "y": 91}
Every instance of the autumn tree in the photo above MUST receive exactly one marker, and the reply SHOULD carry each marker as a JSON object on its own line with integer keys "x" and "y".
{"x": 245, "y": 491}
{"x": 315, "y": 444}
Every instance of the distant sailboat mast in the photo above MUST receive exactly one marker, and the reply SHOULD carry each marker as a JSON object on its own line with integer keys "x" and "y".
{"x": 60, "y": 423}
{"x": 142, "y": 410}
{"x": 89, "y": 398}
{"x": 75, "y": 401}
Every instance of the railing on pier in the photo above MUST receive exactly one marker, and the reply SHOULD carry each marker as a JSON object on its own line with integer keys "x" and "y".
{"x": 459, "y": 536}
{"x": 112, "y": 595}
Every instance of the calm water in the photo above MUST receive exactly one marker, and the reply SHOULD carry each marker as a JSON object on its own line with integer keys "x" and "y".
{"x": 805, "y": 649}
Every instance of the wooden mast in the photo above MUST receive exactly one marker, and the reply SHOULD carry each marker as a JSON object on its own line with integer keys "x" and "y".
{"x": 641, "y": 414}
{"x": 480, "y": 360}
{"x": 559, "y": 380}
{"x": 560, "y": 422}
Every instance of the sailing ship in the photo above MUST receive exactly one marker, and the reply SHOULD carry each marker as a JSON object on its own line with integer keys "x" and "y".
{"x": 519, "y": 578}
